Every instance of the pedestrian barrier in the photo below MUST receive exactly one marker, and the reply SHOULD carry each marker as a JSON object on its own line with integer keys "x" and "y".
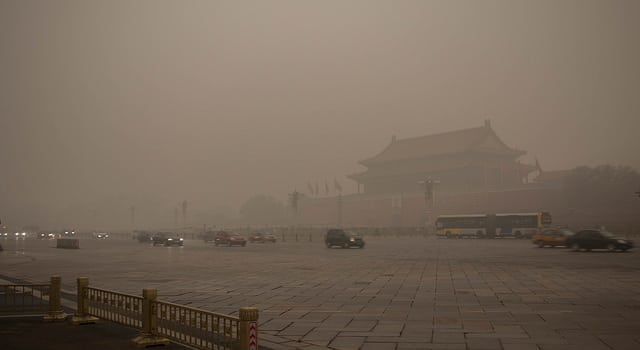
{"x": 33, "y": 299}
{"x": 159, "y": 321}
{"x": 162, "y": 321}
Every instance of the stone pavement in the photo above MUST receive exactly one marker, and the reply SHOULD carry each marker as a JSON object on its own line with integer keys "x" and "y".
{"x": 397, "y": 293}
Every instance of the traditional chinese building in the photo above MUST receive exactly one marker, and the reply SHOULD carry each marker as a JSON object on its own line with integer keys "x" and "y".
{"x": 465, "y": 160}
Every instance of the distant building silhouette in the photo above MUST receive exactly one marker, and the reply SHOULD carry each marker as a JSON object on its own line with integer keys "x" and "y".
{"x": 463, "y": 160}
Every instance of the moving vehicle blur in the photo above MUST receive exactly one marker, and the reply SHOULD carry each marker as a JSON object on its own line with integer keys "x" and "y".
{"x": 46, "y": 235}
{"x": 102, "y": 235}
{"x": 143, "y": 237}
{"x": 262, "y": 237}
{"x": 552, "y": 237}
{"x": 342, "y": 238}
{"x": 229, "y": 239}
{"x": 166, "y": 239}
{"x": 598, "y": 239}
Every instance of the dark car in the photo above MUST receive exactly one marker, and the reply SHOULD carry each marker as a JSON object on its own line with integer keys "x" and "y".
{"x": 229, "y": 239}
{"x": 102, "y": 235}
{"x": 597, "y": 239}
{"x": 143, "y": 237}
{"x": 552, "y": 237}
{"x": 166, "y": 239}
{"x": 46, "y": 235}
{"x": 342, "y": 238}
{"x": 262, "y": 237}
{"x": 68, "y": 233}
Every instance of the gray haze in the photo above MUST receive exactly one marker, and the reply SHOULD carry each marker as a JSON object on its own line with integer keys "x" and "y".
{"x": 109, "y": 104}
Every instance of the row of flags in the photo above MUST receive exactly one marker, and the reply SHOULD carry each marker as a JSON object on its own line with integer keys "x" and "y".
{"x": 314, "y": 190}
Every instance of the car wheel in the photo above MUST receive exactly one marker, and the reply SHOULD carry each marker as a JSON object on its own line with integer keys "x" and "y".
{"x": 611, "y": 247}
{"x": 540, "y": 244}
{"x": 229, "y": 244}
{"x": 244, "y": 243}
{"x": 346, "y": 245}
{"x": 575, "y": 247}
{"x": 518, "y": 235}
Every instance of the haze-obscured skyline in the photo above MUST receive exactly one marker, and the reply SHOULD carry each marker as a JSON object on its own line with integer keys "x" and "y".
{"x": 109, "y": 104}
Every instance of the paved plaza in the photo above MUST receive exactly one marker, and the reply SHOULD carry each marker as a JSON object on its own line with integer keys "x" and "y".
{"x": 396, "y": 293}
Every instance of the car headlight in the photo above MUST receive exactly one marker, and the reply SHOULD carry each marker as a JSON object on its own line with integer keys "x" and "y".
{"x": 352, "y": 239}
{"x": 181, "y": 239}
{"x": 170, "y": 239}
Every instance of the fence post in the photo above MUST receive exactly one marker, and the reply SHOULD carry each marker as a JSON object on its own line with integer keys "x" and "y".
{"x": 149, "y": 336}
{"x": 82, "y": 315}
{"x": 55, "y": 307}
{"x": 248, "y": 328}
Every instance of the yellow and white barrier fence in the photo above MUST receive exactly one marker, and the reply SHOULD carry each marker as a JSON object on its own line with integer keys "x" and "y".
{"x": 160, "y": 322}
{"x": 32, "y": 299}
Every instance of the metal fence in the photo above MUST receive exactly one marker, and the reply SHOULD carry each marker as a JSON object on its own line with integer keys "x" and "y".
{"x": 196, "y": 328}
{"x": 161, "y": 322}
{"x": 24, "y": 298}
{"x": 117, "y": 307}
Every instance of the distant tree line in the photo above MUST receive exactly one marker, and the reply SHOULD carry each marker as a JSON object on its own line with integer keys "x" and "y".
{"x": 604, "y": 185}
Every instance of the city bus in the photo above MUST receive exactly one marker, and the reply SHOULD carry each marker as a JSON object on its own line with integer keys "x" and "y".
{"x": 516, "y": 225}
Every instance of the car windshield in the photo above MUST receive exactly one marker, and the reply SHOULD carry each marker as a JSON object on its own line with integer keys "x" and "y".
{"x": 351, "y": 234}
{"x": 607, "y": 234}
{"x": 567, "y": 232}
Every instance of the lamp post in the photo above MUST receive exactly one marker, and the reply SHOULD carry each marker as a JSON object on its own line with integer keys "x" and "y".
{"x": 429, "y": 201}
{"x": 293, "y": 199}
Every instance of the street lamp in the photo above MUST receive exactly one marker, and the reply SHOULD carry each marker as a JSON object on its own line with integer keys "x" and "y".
{"x": 429, "y": 202}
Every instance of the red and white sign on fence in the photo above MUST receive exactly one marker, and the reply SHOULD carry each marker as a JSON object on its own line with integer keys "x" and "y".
{"x": 253, "y": 336}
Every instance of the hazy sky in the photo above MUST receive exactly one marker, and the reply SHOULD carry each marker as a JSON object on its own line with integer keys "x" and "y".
{"x": 107, "y": 104}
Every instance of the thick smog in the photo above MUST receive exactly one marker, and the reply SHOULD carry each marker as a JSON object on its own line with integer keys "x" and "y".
{"x": 320, "y": 174}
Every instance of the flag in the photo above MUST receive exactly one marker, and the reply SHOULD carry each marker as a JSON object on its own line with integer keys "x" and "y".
{"x": 326, "y": 188}
{"x": 317, "y": 189}
{"x": 337, "y": 186}
{"x": 310, "y": 188}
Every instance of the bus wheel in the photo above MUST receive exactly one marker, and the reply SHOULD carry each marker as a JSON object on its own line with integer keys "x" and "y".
{"x": 540, "y": 244}
{"x": 448, "y": 234}
{"x": 518, "y": 235}
{"x": 479, "y": 234}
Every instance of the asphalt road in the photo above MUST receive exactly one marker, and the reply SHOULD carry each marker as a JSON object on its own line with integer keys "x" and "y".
{"x": 396, "y": 293}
